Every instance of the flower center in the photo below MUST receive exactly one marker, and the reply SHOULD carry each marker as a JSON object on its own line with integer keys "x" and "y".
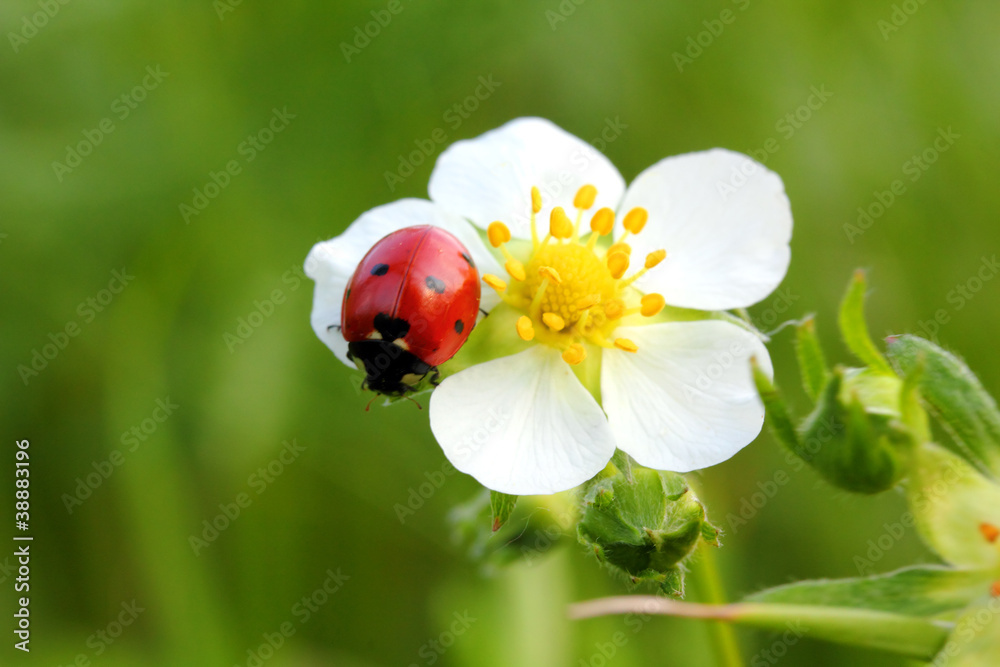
{"x": 570, "y": 291}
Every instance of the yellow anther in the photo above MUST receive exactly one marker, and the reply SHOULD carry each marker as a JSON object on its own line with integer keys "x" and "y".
{"x": 654, "y": 258}
{"x": 614, "y": 309}
{"x": 585, "y": 197}
{"x": 626, "y": 344}
{"x": 652, "y": 304}
{"x": 636, "y": 219}
{"x": 588, "y": 302}
{"x": 553, "y": 321}
{"x": 550, "y": 273}
{"x": 494, "y": 282}
{"x": 620, "y": 247}
{"x": 603, "y": 221}
{"x": 617, "y": 264}
{"x": 498, "y": 234}
{"x": 574, "y": 354}
{"x": 524, "y": 328}
{"x": 560, "y": 225}
{"x": 515, "y": 269}
{"x": 536, "y": 199}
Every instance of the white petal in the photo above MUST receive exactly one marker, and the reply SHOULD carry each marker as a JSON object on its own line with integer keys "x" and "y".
{"x": 331, "y": 263}
{"x": 725, "y": 223}
{"x": 686, "y": 400}
{"x": 521, "y": 424}
{"x": 490, "y": 177}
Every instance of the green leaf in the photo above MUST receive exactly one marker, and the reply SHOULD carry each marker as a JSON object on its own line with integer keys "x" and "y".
{"x": 976, "y": 639}
{"x": 965, "y": 409}
{"x": 502, "y": 506}
{"x": 855, "y": 330}
{"x": 923, "y": 590}
{"x": 950, "y": 501}
{"x": 812, "y": 363}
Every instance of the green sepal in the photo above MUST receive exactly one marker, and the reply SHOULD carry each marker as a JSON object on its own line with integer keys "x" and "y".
{"x": 502, "y": 506}
{"x": 623, "y": 462}
{"x": 812, "y": 362}
{"x": 778, "y": 418}
{"x": 950, "y": 501}
{"x": 964, "y": 408}
{"x": 854, "y": 329}
{"x": 644, "y": 529}
{"x": 923, "y": 590}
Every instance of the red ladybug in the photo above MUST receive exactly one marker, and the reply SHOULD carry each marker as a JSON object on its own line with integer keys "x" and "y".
{"x": 409, "y": 307}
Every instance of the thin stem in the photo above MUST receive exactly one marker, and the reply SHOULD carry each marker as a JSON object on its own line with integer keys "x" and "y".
{"x": 709, "y": 584}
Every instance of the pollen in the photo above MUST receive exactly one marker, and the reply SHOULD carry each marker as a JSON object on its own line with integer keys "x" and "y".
{"x": 498, "y": 234}
{"x": 536, "y": 200}
{"x": 516, "y": 269}
{"x": 524, "y": 328}
{"x": 553, "y": 321}
{"x": 635, "y": 220}
{"x": 617, "y": 264}
{"x": 654, "y": 258}
{"x": 560, "y": 225}
{"x": 551, "y": 274}
{"x": 652, "y": 304}
{"x": 626, "y": 344}
{"x": 603, "y": 221}
{"x": 614, "y": 309}
{"x": 989, "y": 531}
{"x": 585, "y": 197}
{"x": 994, "y": 589}
{"x": 620, "y": 247}
{"x": 574, "y": 354}
{"x": 494, "y": 282}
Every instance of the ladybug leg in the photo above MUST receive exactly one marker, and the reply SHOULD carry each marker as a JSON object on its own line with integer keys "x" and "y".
{"x": 435, "y": 379}
{"x": 335, "y": 327}
{"x": 485, "y": 314}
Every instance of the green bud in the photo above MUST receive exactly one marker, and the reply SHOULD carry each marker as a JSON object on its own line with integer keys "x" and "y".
{"x": 645, "y": 529}
{"x": 502, "y": 506}
{"x": 954, "y": 393}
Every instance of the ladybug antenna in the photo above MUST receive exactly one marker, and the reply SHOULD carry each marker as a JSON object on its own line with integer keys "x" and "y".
{"x": 369, "y": 406}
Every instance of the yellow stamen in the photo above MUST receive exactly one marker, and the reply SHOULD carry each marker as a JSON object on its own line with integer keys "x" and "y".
{"x": 550, "y": 273}
{"x": 515, "y": 269}
{"x": 652, "y": 304}
{"x": 553, "y": 321}
{"x": 574, "y": 354}
{"x": 617, "y": 264}
{"x": 560, "y": 226}
{"x": 536, "y": 200}
{"x": 635, "y": 219}
{"x": 626, "y": 344}
{"x": 524, "y": 328}
{"x": 603, "y": 221}
{"x": 620, "y": 247}
{"x": 588, "y": 302}
{"x": 614, "y": 309}
{"x": 498, "y": 234}
{"x": 585, "y": 197}
{"x": 494, "y": 282}
{"x": 654, "y": 258}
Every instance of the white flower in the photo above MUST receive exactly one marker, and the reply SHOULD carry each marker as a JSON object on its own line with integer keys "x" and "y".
{"x": 602, "y": 366}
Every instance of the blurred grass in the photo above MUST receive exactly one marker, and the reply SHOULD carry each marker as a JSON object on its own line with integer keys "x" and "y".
{"x": 333, "y": 507}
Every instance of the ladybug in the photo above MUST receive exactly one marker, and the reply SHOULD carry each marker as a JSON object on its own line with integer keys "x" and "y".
{"x": 410, "y": 305}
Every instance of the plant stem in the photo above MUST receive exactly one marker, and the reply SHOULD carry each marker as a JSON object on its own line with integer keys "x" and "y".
{"x": 709, "y": 585}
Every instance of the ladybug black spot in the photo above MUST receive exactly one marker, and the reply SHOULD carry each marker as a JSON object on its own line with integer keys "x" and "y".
{"x": 435, "y": 284}
{"x": 391, "y": 328}
{"x": 467, "y": 259}
{"x": 380, "y": 269}
{"x": 459, "y": 326}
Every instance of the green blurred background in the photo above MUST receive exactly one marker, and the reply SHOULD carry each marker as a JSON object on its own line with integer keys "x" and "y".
{"x": 169, "y": 335}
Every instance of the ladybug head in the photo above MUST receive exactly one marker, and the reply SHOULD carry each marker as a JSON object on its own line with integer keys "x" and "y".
{"x": 388, "y": 368}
